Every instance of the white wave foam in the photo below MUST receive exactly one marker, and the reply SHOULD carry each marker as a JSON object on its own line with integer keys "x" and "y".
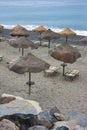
{"x": 30, "y": 27}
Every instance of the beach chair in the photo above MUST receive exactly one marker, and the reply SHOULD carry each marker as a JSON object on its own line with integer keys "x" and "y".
{"x": 1, "y": 58}
{"x": 52, "y": 71}
{"x": 72, "y": 74}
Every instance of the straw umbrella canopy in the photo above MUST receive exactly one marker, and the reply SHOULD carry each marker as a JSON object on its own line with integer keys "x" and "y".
{"x": 84, "y": 40}
{"x": 19, "y": 30}
{"x": 65, "y": 53}
{"x": 67, "y": 32}
{"x": 49, "y": 35}
{"x": 18, "y": 27}
{"x": 39, "y": 29}
{"x": 19, "y": 33}
{"x": 22, "y": 42}
{"x": 1, "y": 28}
{"x": 29, "y": 63}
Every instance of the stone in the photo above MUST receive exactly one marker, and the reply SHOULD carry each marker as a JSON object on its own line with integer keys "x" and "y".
{"x": 62, "y": 128}
{"x": 47, "y": 124}
{"x": 56, "y": 114}
{"x": 7, "y": 125}
{"x": 69, "y": 124}
{"x": 6, "y": 99}
{"x": 59, "y": 117}
{"x": 23, "y": 121}
{"x": 19, "y": 105}
{"x": 44, "y": 119}
{"x": 54, "y": 110}
{"x": 38, "y": 127}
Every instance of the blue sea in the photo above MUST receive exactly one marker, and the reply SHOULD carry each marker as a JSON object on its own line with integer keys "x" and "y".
{"x": 54, "y": 14}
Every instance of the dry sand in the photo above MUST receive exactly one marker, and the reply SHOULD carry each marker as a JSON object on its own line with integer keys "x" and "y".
{"x": 48, "y": 91}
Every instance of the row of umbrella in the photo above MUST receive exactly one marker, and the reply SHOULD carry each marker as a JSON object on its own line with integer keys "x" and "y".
{"x": 49, "y": 34}
{"x": 30, "y": 63}
{"x": 19, "y": 31}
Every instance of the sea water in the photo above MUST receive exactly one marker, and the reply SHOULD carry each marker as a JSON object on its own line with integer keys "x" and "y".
{"x": 53, "y": 14}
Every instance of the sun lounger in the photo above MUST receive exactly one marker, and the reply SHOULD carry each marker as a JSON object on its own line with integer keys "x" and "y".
{"x": 51, "y": 71}
{"x": 72, "y": 74}
{"x": 1, "y": 58}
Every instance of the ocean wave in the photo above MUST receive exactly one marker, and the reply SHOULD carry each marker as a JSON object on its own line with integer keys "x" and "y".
{"x": 56, "y": 29}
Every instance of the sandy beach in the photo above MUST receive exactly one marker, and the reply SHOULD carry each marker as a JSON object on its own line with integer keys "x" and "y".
{"x": 48, "y": 91}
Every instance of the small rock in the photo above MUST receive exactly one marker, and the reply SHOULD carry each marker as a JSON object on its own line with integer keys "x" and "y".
{"x": 38, "y": 127}
{"x": 55, "y": 114}
{"x": 6, "y": 99}
{"x": 54, "y": 110}
{"x": 69, "y": 124}
{"x": 59, "y": 117}
{"x": 62, "y": 128}
{"x": 44, "y": 119}
{"x": 7, "y": 125}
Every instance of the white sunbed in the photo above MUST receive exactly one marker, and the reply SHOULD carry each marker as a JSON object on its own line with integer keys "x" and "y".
{"x": 72, "y": 74}
{"x": 51, "y": 71}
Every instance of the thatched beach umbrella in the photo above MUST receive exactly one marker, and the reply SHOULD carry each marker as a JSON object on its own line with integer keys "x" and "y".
{"x": 22, "y": 42}
{"x": 49, "y": 35}
{"x": 67, "y": 32}
{"x": 29, "y": 63}
{"x": 84, "y": 40}
{"x": 1, "y": 28}
{"x": 39, "y": 29}
{"x": 65, "y": 53}
{"x": 19, "y": 31}
{"x": 18, "y": 27}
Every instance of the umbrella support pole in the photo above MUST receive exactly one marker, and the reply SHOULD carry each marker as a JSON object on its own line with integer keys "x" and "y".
{"x": 40, "y": 39}
{"x": 63, "y": 70}
{"x": 66, "y": 38}
{"x": 63, "y": 65}
{"x": 29, "y": 83}
{"x": 19, "y": 49}
{"x": 49, "y": 44}
{"x": 22, "y": 51}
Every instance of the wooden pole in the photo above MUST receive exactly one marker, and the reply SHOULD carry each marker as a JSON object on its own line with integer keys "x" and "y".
{"x": 22, "y": 51}
{"x": 49, "y": 43}
{"x": 29, "y": 83}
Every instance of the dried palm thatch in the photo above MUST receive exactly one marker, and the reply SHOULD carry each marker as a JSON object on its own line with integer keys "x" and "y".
{"x": 19, "y": 33}
{"x": 1, "y": 28}
{"x": 22, "y": 42}
{"x": 18, "y": 27}
{"x": 65, "y": 53}
{"x": 29, "y": 63}
{"x": 39, "y": 29}
{"x": 67, "y": 32}
{"x": 49, "y": 35}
